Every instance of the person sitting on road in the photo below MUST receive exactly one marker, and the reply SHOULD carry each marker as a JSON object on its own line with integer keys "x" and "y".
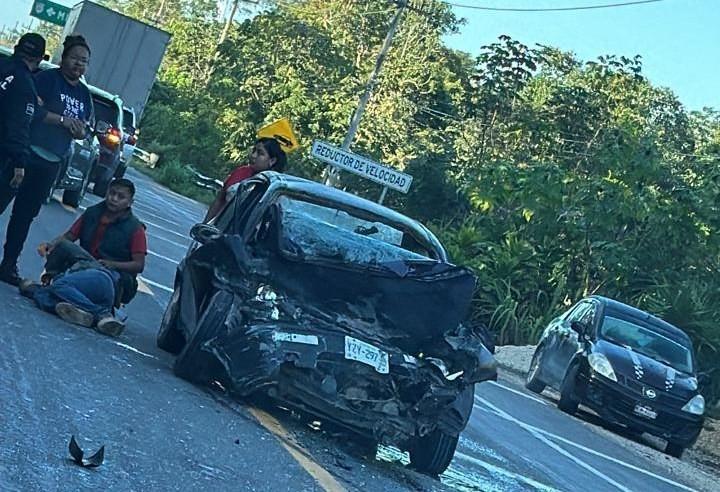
{"x": 111, "y": 234}
{"x": 76, "y": 287}
{"x": 266, "y": 154}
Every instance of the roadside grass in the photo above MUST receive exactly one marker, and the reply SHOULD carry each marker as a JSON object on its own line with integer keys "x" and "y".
{"x": 178, "y": 177}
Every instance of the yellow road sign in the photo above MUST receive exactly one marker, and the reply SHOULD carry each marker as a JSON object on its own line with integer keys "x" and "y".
{"x": 281, "y": 130}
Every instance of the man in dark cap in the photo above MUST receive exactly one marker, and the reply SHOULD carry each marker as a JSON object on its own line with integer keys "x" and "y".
{"x": 18, "y": 101}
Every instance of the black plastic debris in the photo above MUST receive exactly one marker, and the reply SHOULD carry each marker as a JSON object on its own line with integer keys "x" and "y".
{"x": 78, "y": 455}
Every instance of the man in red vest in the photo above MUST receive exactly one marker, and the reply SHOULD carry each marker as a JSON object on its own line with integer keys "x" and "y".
{"x": 107, "y": 277}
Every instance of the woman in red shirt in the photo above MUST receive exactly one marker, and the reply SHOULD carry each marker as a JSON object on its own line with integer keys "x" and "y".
{"x": 266, "y": 154}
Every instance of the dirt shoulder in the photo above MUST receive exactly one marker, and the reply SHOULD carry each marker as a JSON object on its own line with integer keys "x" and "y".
{"x": 700, "y": 464}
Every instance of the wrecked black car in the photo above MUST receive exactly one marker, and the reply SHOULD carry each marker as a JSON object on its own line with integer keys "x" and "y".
{"x": 334, "y": 305}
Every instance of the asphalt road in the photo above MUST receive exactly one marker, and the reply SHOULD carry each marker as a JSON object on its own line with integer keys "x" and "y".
{"x": 161, "y": 433}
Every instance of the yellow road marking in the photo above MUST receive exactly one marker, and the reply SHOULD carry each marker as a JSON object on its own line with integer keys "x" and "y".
{"x": 320, "y": 474}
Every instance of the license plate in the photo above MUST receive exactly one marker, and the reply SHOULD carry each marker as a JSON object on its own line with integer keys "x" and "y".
{"x": 644, "y": 411}
{"x": 85, "y": 154}
{"x": 367, "y": 354}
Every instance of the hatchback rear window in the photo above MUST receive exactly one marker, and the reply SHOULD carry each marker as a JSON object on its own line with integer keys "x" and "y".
{"x": 326, "y": 232}
{"x": 105, "y": 110}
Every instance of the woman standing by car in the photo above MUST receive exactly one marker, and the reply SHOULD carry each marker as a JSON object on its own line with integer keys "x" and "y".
{"x": 266, "y": 154}
{"x": 64, "y": 109}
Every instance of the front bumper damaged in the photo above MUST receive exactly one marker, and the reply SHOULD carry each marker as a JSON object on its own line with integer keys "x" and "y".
{"x": 345, "y": 361}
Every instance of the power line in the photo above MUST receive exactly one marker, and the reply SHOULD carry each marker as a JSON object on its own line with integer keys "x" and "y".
{"x": 552, "y": 9}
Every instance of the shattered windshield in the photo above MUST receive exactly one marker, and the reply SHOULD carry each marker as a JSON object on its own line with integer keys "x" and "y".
{"x": 326, "y": 232}
{"x": 647, "y": 342}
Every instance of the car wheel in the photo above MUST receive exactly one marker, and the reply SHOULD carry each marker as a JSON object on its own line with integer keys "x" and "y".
{"x": 675, "y": 450}
{"x": 433, "y": 453}
{"x": 533, "y": 382}
{"x": 73, "y": 198}
{"x": 101, "y": 187}
{"x": 169, "y": 338}
{"x": 120, "y": 171}
{"x": 568, "y": 402}
{"x": 192, "y": 363}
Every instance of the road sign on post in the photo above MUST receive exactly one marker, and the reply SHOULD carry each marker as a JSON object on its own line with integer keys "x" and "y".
{"x": 281, "y": 130}
{"x": 50, "y": 12}
{"x": 344, "y": 159}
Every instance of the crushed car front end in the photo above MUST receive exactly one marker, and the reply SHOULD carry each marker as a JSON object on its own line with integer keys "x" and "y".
{"x": 337, "y": 306}
{"x": 302, "y": 343}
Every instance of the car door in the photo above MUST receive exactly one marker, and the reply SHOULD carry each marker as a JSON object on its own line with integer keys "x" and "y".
{"x": 554, "y": 364}
{"x": 570, "y": 342}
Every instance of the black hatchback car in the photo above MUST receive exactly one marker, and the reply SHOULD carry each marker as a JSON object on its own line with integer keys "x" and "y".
{"x": 335, "y": 305}
{"x": 630, "y": 367}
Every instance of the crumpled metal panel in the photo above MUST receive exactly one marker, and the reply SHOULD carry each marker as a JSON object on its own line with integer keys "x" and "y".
{"x": 294, "y": 304}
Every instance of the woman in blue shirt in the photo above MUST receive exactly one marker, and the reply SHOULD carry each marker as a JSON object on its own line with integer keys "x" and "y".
{"x": 64, "y": 109}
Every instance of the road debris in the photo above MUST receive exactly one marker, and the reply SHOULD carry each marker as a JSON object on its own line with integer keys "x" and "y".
{"x": 78, "y": 455}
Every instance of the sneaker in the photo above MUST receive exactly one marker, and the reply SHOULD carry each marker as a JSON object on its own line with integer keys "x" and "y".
{"x": 28, "y": 287}
{"x": 10, "y": 275}
{"x": 73, "y": 314}
{"x": 110, "y": 326}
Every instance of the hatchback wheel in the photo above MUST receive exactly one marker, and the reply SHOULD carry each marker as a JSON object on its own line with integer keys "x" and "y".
{"x": 433, "y": 453}
{"x": 675, "y": 450}
{"x": 193, "y": 363}
{"x": 533, "y": 382}
{"x": 568, "y": 402}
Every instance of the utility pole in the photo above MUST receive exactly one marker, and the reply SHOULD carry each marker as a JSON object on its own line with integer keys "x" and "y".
{"x": 224, "y": 34}
{"x": 331, "y": 175}
{"x": 229, "y": 22}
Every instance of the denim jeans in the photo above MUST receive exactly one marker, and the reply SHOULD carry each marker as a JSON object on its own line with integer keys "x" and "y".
{"x": 92, "y": 290}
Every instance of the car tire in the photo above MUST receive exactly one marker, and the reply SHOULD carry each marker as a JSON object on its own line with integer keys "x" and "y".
{"x": 433, "y": 453}
{"x": 533, "y": 381}
{"x": 674, "y": 450}
{"x": 73, "y": 198}
{"x": 169, "y": 337}
{"x": 192, "y": 363}
{"x": 568, "y": 402}
{"x": 101, "y": 187}
{"x": 120, "y": 171}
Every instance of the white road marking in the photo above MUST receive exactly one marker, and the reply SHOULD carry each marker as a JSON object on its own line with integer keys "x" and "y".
{"x": 535, "y": 431}
{"x": 169, "y": 241}
{"x": 519, "y": 393}
{"x": 169, "y": 231}
{"x": 133, "y": 349}
{"x": 502, "y": 471}
{"x": 166, "y": 258}
{"x": 155, "y": 284}
{"x": 143, "y": 209}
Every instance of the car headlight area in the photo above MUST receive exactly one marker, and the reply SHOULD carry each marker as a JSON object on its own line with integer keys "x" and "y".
{"x": 696, "y": 405}
{"x": 600, "y": 364}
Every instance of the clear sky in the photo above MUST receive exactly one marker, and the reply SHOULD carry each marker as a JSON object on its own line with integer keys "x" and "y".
{"x": 679, "y": 40}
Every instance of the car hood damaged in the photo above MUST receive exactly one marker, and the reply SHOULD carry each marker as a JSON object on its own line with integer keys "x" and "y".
{"x": 376, "y": 344}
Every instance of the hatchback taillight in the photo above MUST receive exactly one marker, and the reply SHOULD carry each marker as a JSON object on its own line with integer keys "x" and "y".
{"x": 113, "y": 137}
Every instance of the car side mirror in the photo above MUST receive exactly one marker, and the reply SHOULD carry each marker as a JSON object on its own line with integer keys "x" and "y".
{"x": 204, "y": 233}
{"x": 578, "y": 327}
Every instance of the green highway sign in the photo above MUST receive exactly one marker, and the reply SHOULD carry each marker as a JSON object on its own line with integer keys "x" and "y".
{"x": 50, "y": 12}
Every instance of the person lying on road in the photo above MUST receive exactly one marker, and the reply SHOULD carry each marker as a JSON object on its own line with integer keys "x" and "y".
{"x": 76, "y": 287}
{"x": 266, "y": 154}
{"x": 111, "y": 234}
